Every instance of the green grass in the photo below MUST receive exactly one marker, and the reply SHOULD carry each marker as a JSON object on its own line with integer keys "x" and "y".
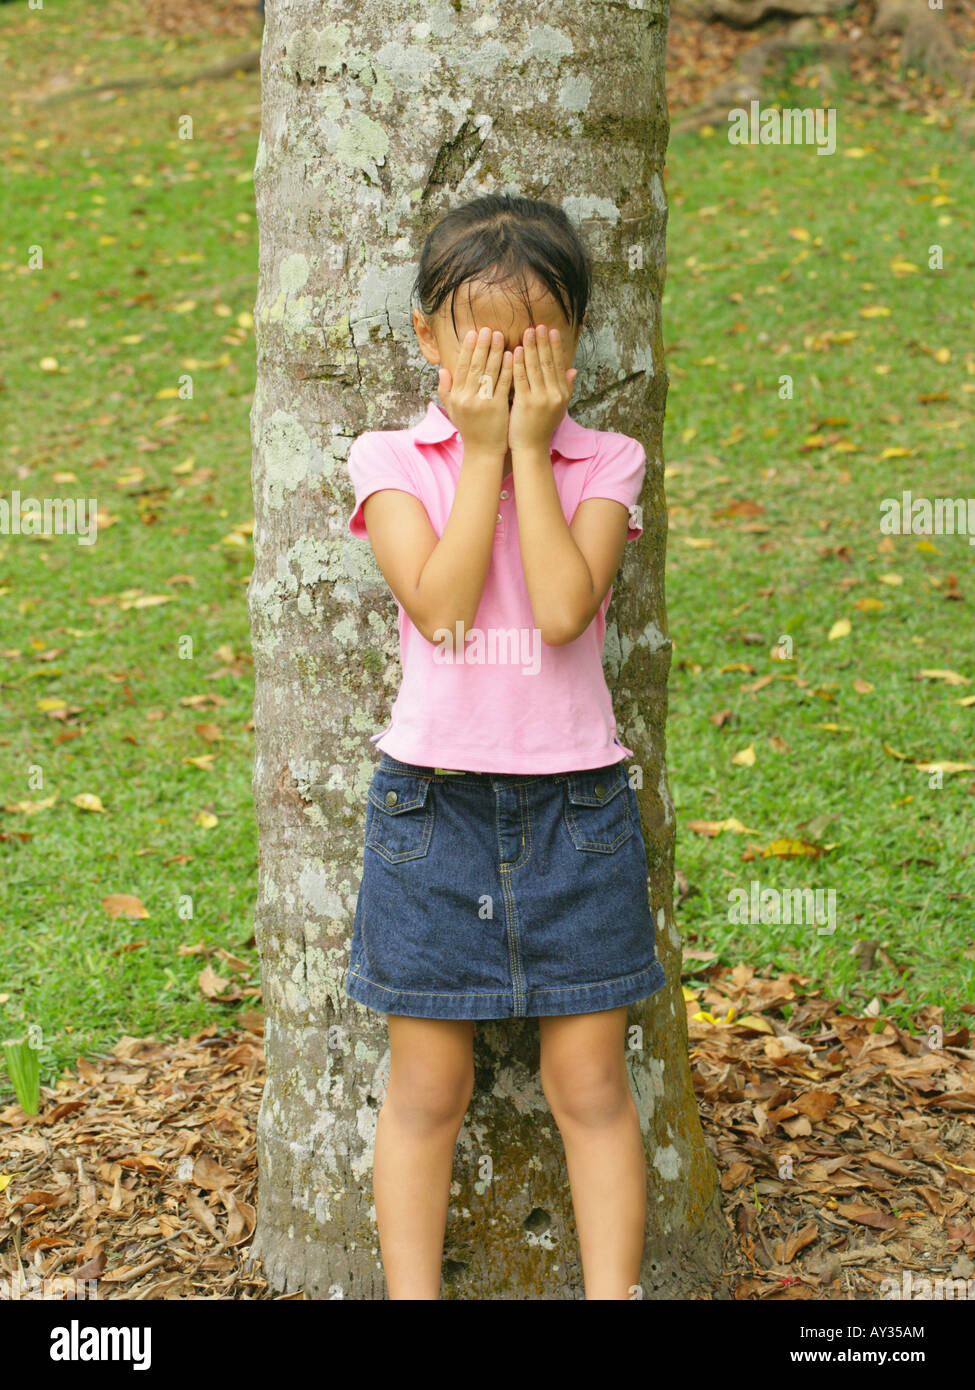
{"x": 150, "y": 238}
{"x": 774, "y": 252}
{"x": 149, "y": 250}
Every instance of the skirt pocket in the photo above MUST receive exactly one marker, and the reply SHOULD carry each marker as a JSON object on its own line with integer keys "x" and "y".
{"x": 597, "y": 809}
{"x": 399, "y": 816}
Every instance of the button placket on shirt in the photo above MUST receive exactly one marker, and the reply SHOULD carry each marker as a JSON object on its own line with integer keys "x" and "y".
{"x": 501, "y": 525}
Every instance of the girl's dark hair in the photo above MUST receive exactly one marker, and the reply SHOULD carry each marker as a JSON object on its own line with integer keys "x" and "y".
{"x": 499, "y": 239}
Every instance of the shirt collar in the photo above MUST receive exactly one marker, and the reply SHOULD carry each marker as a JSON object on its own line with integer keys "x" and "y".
{"x": 570, "y": 440}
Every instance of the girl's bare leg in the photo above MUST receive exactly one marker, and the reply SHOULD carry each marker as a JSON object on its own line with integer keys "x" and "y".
{"x": 431, "y": 1081}
{"x": 583, "y": 1075}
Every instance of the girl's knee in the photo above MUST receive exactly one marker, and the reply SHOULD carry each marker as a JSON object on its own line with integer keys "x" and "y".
{"x": 596, "y": 1098}
{"x": 429, "y": 1102}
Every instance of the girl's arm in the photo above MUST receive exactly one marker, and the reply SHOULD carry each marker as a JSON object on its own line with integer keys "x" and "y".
{"x": 568, "y": 569}
{"x": 439, "y": 582}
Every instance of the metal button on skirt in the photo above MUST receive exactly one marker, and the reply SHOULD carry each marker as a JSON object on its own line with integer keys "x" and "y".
{"x": 501, "y": 895}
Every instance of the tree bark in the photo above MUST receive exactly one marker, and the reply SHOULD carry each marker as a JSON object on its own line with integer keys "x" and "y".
{"x": 377, "y": 118}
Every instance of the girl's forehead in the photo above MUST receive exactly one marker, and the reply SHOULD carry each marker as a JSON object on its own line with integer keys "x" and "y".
{"x": 477, "y": 305}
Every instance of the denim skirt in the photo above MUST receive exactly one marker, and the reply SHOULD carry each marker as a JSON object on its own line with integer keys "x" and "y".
{"x": 501, "y": 895}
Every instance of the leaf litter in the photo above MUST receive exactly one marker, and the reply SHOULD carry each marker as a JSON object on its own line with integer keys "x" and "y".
{"x": 845, "y": 1147}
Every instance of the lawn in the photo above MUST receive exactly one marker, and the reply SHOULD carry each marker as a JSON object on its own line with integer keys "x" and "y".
{"x": 128, "y": 260}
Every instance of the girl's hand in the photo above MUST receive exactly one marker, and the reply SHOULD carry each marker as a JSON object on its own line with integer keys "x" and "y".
{"x": 543, "y": 389}
{"x": 476, "y": 401}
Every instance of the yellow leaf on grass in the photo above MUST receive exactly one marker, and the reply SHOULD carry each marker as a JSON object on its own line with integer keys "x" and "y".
{"x": 875, "y": 311}
{"x": 949, "y": 677}
{"x": 900, "y": 267}
{"x": 746, "y": 757}
{"x": 790, "y": 849}
{"x": 896, "y": 451}
{"x": 945, "y": 767}
{"x": 29, "y": 808}
{"x": 147, "y": 601}
{"x": 892, "y": 579}
{"x": 862, "y": 687}
{"x": 841, "y": 628}
{"x": 699, "y": 542}
{"x": 869, "y": 605}
{"x": 206, "y": 819}
{"x": 88, "y": 801}
{"x": 124, "y": 905}
{"x": 204, "y": 761}
{"x": 967, "y": 701}
{"x": 894, "y": 753}
{"x": 51, "y": 702}
{"x": 799, "y": 233}
{"x": 715, "y": 827}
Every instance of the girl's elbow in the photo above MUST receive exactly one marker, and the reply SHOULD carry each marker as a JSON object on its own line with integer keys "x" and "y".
{"x": 560, "y": 634}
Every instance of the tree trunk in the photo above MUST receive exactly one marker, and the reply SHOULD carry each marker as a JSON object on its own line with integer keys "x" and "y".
{"x": 374, "y": 124}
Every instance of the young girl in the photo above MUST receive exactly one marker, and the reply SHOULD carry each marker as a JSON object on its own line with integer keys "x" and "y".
{"x": 504, "y": 870}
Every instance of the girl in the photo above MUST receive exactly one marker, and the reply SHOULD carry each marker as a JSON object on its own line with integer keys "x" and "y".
{"x": 504, "y": 869}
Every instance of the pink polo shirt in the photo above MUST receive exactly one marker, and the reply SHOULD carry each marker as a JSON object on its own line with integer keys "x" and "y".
{"x": 508, "y": 702}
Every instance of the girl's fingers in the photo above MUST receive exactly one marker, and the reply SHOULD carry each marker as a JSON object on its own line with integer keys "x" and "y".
{"x": 533, "y": 368}
{"x": 462, "y": 365}
{"x": 494, "y": 356}
{"x": 546, "y": 360}
{"x": 519, "y": 373}
{"x": 479, "y": 355}
{"x": 558, "y": 356}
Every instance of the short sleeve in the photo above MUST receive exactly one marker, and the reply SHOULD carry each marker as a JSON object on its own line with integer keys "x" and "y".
{"x": 372, "y": 465}
{"x": 617, "y": 472}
